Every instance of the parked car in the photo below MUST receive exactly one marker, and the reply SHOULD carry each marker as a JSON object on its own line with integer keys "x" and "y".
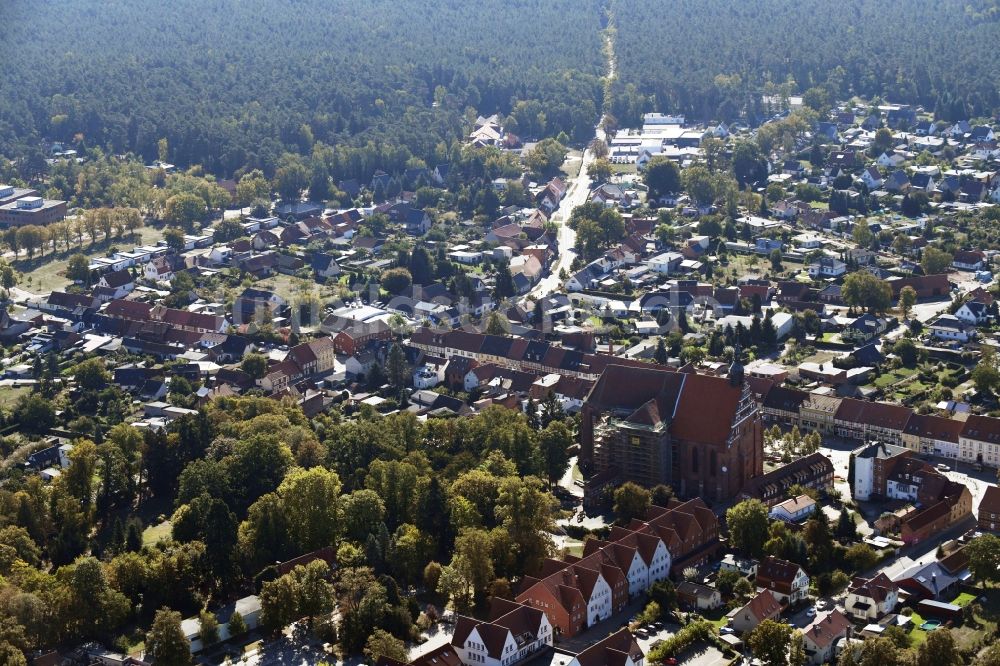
{"x": 811, "y": 612}
{"x": 727, "y": 630}
{"x": 943, "y": 467}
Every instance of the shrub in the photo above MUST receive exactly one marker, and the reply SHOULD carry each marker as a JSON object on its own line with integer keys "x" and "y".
{"x": 698, "y": 630}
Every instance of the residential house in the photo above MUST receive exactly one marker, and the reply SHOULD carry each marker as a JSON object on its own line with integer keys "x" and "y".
{"x": 923, "y": 182}
{"x": 870, "y": 466}
{"x": 120, "y": 282}
{"x": 827, "y": 267}
{"x": 822, "y": 635}
{"x": 618, "y": 649}
{"x": 989, "y": 510}
{"x": 794, "y": 510}
{"x": 515, "y": 633}
{"x": 929, "y": 434}
{"x": 871, "y": 421}
{"x": 444, "y": 655}
{"x": 257, "y": 305}
{"x": 782, "y": 404}
{"x": 579, "y": 592}
{"x": 787, "y": 581}
{"x": 864, "y": 328}
{"x": 698, "y": 597}
{"x": 357, "y": 335}
{"x": 951, "y": 328}
{"x": 979, "y": 441}
{"x": 872, "y": 178}
{"x": 897, "y": 182}
{"x": 973, "y": 313}
{"x": 764, "y": 606}
{"x": 869, "y": 599}
{"x": 163, "y": 269}
{"x": 969, "y": 260}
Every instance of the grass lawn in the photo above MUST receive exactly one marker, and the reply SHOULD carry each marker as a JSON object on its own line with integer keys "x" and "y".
{"x": 153, "y": 534}
{"x": 717, "y": 617}
{"x": 46, "y": 273}
{"x": 9, "y": 396}
{"x": 917, "y": 635}
{"x": 571, "y": 166}
{"x": 896, "y": 375}
{"x": 964, "y": 599}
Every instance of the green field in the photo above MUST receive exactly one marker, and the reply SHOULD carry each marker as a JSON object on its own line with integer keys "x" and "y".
{"x": 153, "y": 534}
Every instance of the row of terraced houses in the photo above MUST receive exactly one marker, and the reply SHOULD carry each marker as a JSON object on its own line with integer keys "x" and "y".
{"x": 975, "y": 440}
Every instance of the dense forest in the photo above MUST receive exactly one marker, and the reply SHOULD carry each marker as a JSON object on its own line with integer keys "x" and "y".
{"x": 234, "y": 84}
{"x": 715, "y": 59}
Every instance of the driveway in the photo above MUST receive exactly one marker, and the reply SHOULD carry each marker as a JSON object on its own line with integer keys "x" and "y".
{"x": 705, "y": 655}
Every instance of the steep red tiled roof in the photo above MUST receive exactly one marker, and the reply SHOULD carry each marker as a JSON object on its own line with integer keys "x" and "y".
{"x": 827, "y": 628}
{"x": 762, "y": 607}
{"x": 982, "y": 428}
{"x": 935, "y": 427}
{"x": 690, "y": 419}
{"x": 991, "y": 501}
{"x": 612, "y": 651}
{"x": 123, "y": 309}
{"x": 876, "y": 589}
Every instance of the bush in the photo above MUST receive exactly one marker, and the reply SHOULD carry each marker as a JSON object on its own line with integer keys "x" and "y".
{"x": 698, "y": 630}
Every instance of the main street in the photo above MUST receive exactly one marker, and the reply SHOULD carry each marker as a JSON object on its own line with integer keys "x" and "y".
{"x": 577, "y": 192}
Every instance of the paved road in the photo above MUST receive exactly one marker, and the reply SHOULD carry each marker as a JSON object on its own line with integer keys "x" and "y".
{"x": 576, "y": 194}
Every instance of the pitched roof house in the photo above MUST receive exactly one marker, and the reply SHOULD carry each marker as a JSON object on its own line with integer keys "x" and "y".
{"x": 787, "y": 581}
{"x": 764, "y": 606}
{"x": 871, "y": 598}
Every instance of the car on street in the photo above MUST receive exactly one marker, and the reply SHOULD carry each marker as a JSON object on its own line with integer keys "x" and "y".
{"x": 943, "y": 467}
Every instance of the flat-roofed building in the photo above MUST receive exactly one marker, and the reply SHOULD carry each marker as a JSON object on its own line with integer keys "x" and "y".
{"x": 31, "y": 210}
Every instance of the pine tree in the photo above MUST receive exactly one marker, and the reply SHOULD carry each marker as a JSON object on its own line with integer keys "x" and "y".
{"x": 660, "y": 355}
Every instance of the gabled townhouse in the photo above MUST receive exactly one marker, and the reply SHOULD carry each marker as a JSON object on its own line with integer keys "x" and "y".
{"x": 764, "y": 606}
{"x": 929, "y": 434}
{"x": 515, "y": 633}
{"x": 979, "y": 441}
{"x": 314, "y": 357}
{"x": 867, "y": 421}
{"x": 823, "y": 633}
{"x": 869, "y": 599}
{"x": 989, "y": 510}
{"x": 787, "y": 581}
{"x": 579, "y": 592}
